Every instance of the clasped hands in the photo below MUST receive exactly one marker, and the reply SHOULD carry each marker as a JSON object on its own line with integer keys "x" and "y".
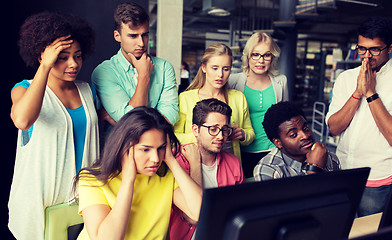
{"x": 366, "y": 81}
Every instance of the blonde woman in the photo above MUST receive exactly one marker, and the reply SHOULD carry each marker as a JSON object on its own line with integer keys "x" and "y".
{"x": 211, "y": 82}
{"x": 262, "y": 86}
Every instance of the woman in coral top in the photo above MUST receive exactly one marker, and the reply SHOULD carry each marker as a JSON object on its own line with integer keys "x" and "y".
{"x": 211, "y": 82}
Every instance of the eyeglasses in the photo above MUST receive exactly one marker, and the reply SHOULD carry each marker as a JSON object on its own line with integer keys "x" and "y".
{"x": 375, "y": 51}
{"x": 266, "y": 56}
{"x": 214, "y": 130}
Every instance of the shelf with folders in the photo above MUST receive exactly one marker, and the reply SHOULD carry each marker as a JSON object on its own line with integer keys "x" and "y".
{"x": 237, "y": 54}
{"x": 339, "y": 65}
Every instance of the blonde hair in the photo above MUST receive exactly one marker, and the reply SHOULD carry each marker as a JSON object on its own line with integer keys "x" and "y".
{"x": 213, "y": 50}
{"x": 255, "y": 39}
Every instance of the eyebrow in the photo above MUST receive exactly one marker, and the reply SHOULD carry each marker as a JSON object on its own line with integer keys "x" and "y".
{"x": 291, "y": 129}
{"x": 215, "y": 65}
{"x": 370, "y": 47}
{"x": 130, "y": 34}
{"x": 148, "y": 146}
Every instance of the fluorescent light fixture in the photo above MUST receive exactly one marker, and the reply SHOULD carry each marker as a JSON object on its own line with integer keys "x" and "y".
{"x": 220, "y": 12}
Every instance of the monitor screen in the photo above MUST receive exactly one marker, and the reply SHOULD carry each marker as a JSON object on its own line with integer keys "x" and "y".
{"x": 317, "y": 206}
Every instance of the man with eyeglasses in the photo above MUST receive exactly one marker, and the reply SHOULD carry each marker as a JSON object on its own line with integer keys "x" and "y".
{"x": 360, "y": 113}
{"x": 205, "y": 161}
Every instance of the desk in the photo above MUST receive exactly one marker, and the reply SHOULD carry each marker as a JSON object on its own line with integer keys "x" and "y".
{"x": 365, "y": 225}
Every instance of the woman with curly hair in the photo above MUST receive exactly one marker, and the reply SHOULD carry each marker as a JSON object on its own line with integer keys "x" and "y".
{"x": 56, "y": 118}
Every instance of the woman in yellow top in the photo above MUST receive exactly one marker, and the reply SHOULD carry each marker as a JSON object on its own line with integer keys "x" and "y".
{"x": 128, "y": 193}
{"x": 211, "y": 82}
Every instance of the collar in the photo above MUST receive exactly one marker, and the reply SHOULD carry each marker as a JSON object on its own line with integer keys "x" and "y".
{"x": 218, "y": 158}
{"x": 292, "y": 163}
{"x": 386, "y": 67}
{"x": 123, "y": 61}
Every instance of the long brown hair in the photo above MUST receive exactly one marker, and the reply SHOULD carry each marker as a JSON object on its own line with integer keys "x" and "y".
{"x": 126, "y": 133}
{"x": 213, "y": 50}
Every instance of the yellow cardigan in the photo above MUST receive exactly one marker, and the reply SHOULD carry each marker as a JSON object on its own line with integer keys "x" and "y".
{"x": 240, "y": 117}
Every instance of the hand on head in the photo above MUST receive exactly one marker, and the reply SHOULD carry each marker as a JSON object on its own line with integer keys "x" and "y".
{"x": 191, "y": 152}
{"x": 129, "y": 170}
{"x": 237, "y": 134}
{"x": 169, "y": 153}
{"x": 50, "y": 54}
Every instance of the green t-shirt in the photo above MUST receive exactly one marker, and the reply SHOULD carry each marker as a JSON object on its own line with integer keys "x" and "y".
{"x": 258, "y": 103}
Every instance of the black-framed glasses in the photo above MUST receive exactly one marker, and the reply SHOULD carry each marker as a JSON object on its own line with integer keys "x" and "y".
{"x": 375, "y": 51}
{"x": 266, "y": 56}
{"x": 215, "y": 130}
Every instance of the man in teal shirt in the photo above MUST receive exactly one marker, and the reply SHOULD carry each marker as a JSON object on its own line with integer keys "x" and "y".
{"x": 132, "y": 78}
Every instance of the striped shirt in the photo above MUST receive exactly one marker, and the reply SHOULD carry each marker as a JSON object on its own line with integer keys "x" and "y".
{"x": 278, "y": 165}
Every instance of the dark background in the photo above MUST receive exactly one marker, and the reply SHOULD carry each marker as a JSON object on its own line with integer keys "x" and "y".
{"x": 98, "y": 13}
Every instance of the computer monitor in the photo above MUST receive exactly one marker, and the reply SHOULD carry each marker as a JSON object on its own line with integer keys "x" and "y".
{"x": 317, "y": 206}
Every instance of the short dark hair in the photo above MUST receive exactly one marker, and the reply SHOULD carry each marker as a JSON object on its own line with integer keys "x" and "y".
{"x": 206, "y": 106}
{"x": 377, "y": 27}
{"x": 40, "y": 30}
{"x": 278, "y": 114}
{"x": 130, "y": 13}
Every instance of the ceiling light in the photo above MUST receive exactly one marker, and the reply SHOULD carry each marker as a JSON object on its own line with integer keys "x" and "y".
{"x": 220, "y": 12}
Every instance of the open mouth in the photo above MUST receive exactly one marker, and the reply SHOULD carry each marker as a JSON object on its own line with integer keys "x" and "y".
{"x": 72, "y": 74}
{"x": 219, "y": 81}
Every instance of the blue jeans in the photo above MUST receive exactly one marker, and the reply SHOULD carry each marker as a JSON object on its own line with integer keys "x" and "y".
{"x": 373, "y": 200}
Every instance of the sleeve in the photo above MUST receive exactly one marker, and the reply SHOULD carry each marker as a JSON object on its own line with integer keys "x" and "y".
{"x": 241, "y": 175}
{"x": 285, "y": 89}
{"x": 180, "y": 128}
{"x": 183, "y": 162}
{"x": 233, "y": 79}
{"x": 23, "y": 83}
{"x": 264, "y": 172}
{"x": 333, "y": 163}
{"x": 90, "y": 193}
{"x": 339, "y": 96}
{"x": 107, "y": 84}
{"x": 168, "y": 101}
{"x": 247, "y": 124}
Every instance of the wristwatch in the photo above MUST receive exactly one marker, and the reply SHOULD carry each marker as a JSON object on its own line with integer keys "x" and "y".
{"x": 313, "y": 168}
{"x": 372, "y": 98}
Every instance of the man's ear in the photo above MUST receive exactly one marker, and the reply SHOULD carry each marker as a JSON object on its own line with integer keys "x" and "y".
{"x": 195, "y": 130}
{"x": 277, "y": 143}
{"x": 117, "y": 36}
